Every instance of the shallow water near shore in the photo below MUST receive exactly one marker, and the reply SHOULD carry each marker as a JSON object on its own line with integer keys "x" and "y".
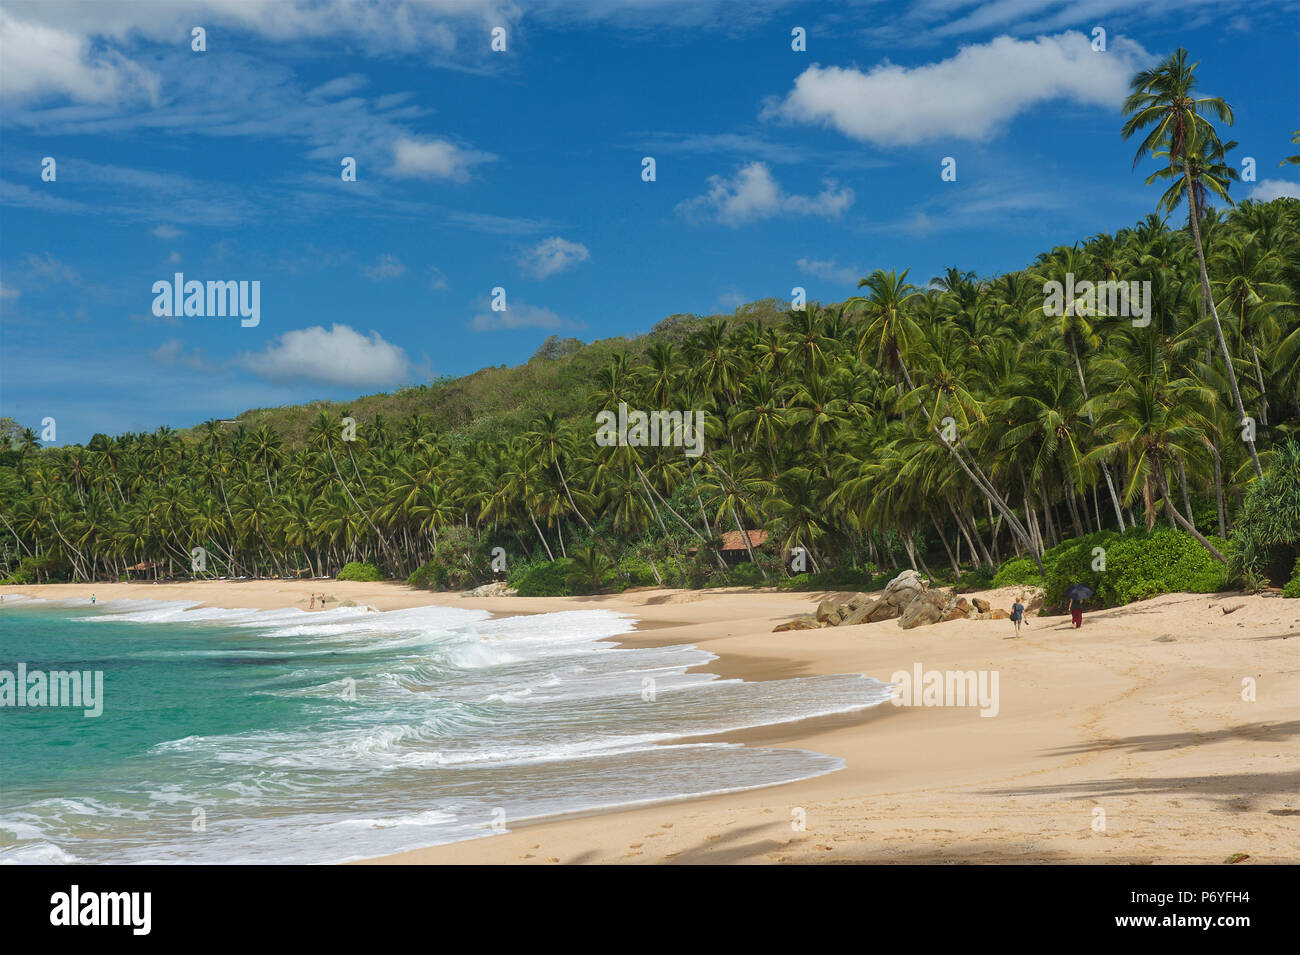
{"x": 242, "y": 736}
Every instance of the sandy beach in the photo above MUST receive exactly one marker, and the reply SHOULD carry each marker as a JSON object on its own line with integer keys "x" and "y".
{"x": 1127, "y": 741}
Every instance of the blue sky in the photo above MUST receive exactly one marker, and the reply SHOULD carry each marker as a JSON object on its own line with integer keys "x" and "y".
{"x": 521, "y": 169}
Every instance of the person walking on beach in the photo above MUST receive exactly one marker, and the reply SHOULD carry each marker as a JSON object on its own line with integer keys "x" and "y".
{"x": 1018, "y": 613}
{"x": 92, "y": 598}
{"x": 1076, "y": 612}
{"x": 313, "y": 602}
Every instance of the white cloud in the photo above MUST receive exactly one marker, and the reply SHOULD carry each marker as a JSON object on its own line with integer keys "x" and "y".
{"x": 552, "y": 255}
{"x": 167, "y": 232}
{"x": 729, "y": 301}
{"x": 434, "y": 159}
{"x": 8, "y": 291}
{"x": 387, "y": 266}
{"x": 753, "y": 194}
{"x": 171, "y": 353}
{"x": 971, "y": 95}
{"x": 437, "y": 281}
{"x": 174, "y": 258}
{"x": 339, "y": 356}
{"x": 518, "y": 315}
{"x": 829, "y": 270}
{"x": 76, "y": 49}
{"x": 1266, "y": 190}
{"x": 43, "y": 60}
{"x": 51, "y": 268}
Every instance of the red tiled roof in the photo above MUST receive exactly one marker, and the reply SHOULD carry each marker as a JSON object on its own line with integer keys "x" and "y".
{"x": 731, "y": 540}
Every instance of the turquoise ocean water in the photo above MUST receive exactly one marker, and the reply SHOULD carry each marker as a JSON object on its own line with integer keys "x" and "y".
{"x": 239, "y": 736}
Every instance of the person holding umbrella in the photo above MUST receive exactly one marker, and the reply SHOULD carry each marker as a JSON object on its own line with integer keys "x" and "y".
{"x": 1078, "y": 593}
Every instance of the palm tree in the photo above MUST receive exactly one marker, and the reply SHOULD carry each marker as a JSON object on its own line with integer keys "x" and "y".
{"x": 1162, "y": 99}
{"x": 1292, "y": 160}
{"x": 589, "y": 567}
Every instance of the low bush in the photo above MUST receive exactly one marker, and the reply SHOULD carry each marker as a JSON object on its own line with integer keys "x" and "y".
{"x": 1018, "y": 572}
{"x": 544, "y": 579}
{"x": 978, "y": 578}
{"x": 1136, "y": 566}
{"x": 426, "y": 576}
{"x": 839, "y": 578}
{"x": 1292, "y": 587}
{"x": 355, "y": 570}
{"x": 639, "y": 572}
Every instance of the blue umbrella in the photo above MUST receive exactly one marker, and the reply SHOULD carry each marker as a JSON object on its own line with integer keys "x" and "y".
{"x": 1079, "y": 592}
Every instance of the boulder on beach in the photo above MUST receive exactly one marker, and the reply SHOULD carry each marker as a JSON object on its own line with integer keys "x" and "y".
{"x": 908, "y": 599}
{"x": 927, "y": 608}
{"x": 806, "y": 622}
{"x": 498, "y": 588}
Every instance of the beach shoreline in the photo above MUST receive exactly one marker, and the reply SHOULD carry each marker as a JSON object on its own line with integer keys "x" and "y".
{"x": 1127, "y": 741}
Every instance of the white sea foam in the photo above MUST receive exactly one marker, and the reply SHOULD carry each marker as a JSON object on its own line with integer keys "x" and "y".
{"x": 430, "y": 718}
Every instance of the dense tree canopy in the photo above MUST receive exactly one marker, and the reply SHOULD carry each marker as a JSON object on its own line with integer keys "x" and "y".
{"x": 958, "y": 415}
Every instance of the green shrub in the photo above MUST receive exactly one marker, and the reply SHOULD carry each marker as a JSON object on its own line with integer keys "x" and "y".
{"x": 845, "y": 578}
{"x": 1017, "y": 572}
{"x": 1292, "y": 587}
{"x": 1266, "y": 537}
{"x": 639, "y": 572}
{"x": 978, "y": 578}
{"x": 747, "y": 575}
{"x": 544, "y": 579}
{"x": 354, "y": 570}
{"x": 427, "y": 576}
{"x": 30, "y": 569}
{"x": 1137, "y": 566}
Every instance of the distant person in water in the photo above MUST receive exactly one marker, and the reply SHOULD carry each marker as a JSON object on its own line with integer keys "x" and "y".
{"x": 92, "y": 598}
{"x": 1018, "y": 613}
{"x": 1076, "y": 612}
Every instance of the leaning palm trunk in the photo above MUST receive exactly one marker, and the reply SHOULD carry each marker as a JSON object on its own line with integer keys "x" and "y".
{"x": 1163, "y": 488}
{"x": 974, "y": 472}
{"x": 1194, "y": 220}
{"x": 541, "y": 536}
{"x": 16, "y": 537}
{"x": 952, "y": 559}
{"x": 1105, "y": 466}
{"x": 1259, "y": 379}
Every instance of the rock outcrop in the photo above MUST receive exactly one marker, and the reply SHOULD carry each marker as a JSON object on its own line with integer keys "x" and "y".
{"x": 498, "y": 588}
{"x": 909, "y": 599}
{"x": 806, "y": 622}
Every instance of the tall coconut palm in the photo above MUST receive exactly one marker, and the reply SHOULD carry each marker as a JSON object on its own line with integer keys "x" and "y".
{"x": 1162, "y": 101}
